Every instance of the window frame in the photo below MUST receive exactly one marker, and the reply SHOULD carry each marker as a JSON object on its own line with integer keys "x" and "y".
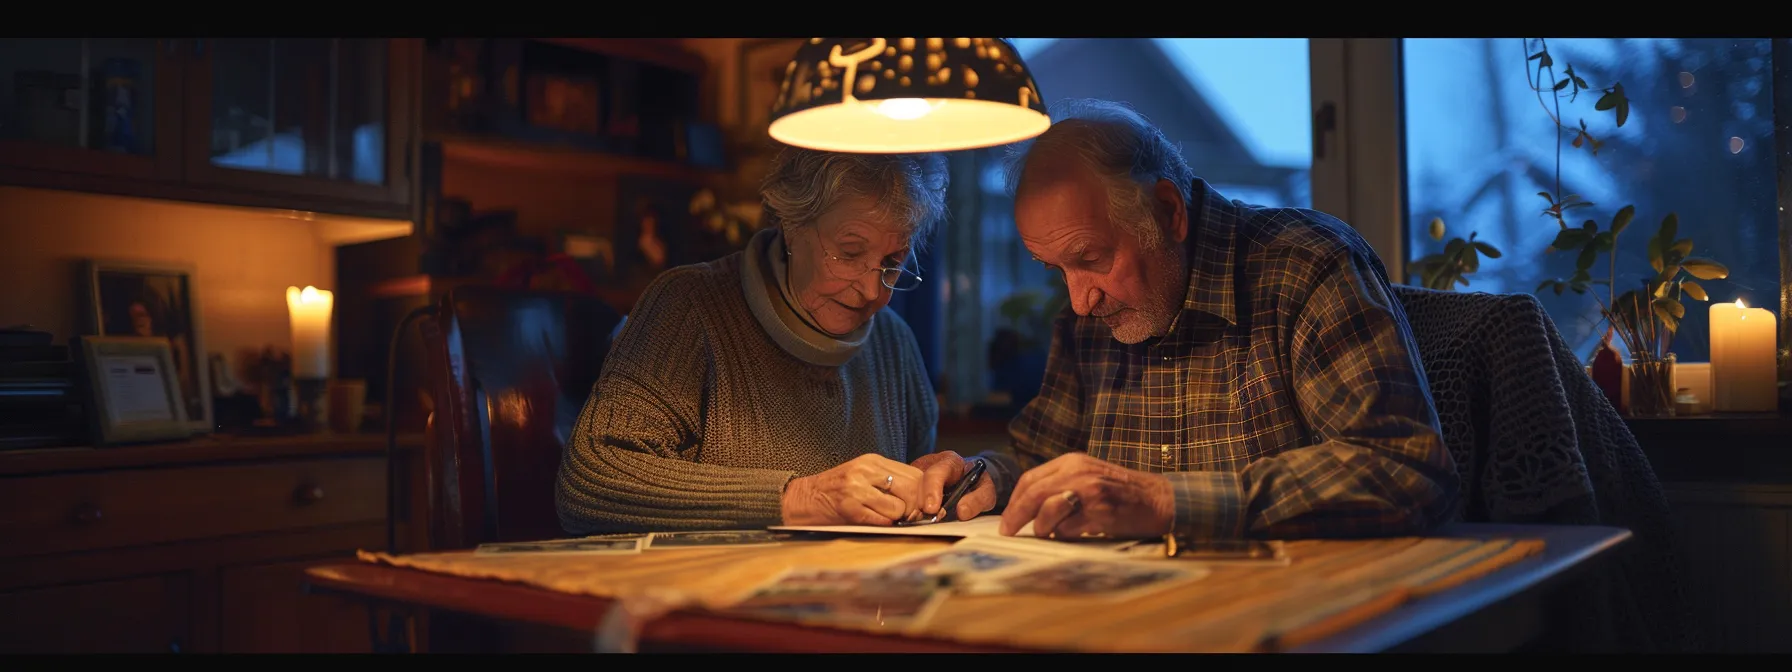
{"x": 1361, "y": 176}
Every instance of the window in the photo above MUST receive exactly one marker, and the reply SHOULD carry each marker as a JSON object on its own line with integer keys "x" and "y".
{"x": 1239, "y": 108}
{"x": 1480, "y": 145}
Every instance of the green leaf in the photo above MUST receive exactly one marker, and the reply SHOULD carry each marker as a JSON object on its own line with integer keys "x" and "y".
{"x": 1437, "y": 228}
{"x": 1670, "y": 227}
{"x": 1547, "y": 197}
{"x": 1559, "y": 286}
{"x": 1694, "y": 290}
{"x": 1542, "y": 285}
{"x": 1578, "y": 204}
{"x": 1580, "y": 82}
{"x": 1705, "y": 269}
{"x": 1604, "y": 241}
{"x": 1655, "y": 254}
{"x": 1622, "y": 220}
{"x": 1546, "y": 61}
{"x": 1453, "y": 249}
{"x": 1490, "y": 251}
{"x": 1670, "y": 306}
{"x": 1588, "y": 255}
{"x": 1623, "y": 103}
{"x": 1679, "y": 250}
{"x": 1569, "y": 239}
{"x": 1536, "y": 56}
{"x": 1579, "y": 287}
{"x": 1563, "y": 84}
{"x": 1581, "y": 275}
{"x": 1606, "y": 102}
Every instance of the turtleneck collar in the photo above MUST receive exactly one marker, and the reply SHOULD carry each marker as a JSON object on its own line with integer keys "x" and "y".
{"x": 765, "y": 279}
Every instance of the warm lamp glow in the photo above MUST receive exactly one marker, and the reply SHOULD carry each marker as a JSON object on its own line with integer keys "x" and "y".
{"x": 906, "y": 94}
{"x": 310, "y": 309}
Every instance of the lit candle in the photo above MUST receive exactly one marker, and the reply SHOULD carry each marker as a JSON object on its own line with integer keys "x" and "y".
{"x": 1743, "y": 370}
{"x": 310, "y": 310}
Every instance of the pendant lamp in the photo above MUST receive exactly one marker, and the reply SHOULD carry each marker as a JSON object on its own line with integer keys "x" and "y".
{"x": 906, "y": 94}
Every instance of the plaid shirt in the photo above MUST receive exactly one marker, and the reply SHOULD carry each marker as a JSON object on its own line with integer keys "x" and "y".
{"x": 1287, "y": 399}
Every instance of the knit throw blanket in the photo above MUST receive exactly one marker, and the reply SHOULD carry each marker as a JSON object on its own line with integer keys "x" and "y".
{"x": 1535, "y": 441}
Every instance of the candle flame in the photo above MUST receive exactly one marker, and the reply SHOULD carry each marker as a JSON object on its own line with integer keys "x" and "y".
{"x": 1739, "y": 304}
{"x": 309, "y": 295}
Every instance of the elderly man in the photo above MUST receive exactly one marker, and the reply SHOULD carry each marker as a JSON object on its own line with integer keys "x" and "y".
{"x": 1230, "y": 371}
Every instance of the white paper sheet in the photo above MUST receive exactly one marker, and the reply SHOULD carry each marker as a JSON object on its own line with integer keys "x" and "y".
{"x": 136, "y": 390}
{"x": 981, "y": 527}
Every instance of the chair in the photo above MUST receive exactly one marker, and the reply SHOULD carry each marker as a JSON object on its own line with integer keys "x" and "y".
{"x": 509, "y": 370}
{"x": 1535, "y": 441}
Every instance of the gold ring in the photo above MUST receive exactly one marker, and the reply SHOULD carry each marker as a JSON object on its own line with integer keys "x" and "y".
{"x": 1075, "y": 502}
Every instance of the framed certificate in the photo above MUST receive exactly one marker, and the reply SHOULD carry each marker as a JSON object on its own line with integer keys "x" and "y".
{"x": 133, "y": 394}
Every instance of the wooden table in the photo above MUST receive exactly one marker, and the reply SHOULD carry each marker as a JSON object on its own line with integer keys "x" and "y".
{"x": 1496, "y": 612}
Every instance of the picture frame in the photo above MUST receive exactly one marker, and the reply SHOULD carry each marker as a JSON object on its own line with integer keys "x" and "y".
{"x": 130, "y": 390}
{"x": 155, "y": 299}
{"x": 759, "y": 73}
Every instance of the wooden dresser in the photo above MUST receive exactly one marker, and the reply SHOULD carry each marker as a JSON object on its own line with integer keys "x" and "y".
{"x": 194, "y": 546}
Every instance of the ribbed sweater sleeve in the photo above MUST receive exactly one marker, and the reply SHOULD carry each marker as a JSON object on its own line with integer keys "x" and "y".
{"x": 630, "y": 464}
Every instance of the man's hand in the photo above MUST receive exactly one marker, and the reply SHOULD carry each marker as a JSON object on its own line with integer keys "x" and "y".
{"x": 867, "y": 490}
{"x": 940, "y": 472}
{"x": 1077, "y": 496}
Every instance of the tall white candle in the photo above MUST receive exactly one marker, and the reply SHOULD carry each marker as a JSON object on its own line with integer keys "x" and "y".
{"x": 1743, "y": 370}
{"x": 310, "y": 310}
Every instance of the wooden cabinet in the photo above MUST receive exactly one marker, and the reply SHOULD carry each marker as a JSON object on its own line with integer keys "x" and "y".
{"x": 197, "y": 546}
{"x": 1735, "y": 546}
{"x": 312, "y": 124}
{"x": 147, "y": 614}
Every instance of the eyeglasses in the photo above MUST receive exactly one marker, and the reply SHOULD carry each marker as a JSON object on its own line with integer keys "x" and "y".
{"x": 894, "y": 277}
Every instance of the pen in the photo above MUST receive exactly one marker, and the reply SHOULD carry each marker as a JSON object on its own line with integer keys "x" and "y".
{"x": 971, "y": 475}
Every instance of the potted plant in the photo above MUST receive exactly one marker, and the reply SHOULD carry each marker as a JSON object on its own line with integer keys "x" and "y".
{"x": 1646, "y": 317}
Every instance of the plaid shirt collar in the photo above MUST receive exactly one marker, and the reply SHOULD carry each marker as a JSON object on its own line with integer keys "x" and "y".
{"x": 1213, "y": 230}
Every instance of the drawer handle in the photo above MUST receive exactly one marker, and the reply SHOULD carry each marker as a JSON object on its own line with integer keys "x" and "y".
{"x": 310, "y": 493}
{"x": 88, "y": 514}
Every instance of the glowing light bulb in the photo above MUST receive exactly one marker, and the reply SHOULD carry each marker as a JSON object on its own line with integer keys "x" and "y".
{"x": 904, "y": 109}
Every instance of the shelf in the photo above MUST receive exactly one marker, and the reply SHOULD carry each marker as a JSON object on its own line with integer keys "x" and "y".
{"x": 564, "y": 161}
{"x": 203, "y": 449}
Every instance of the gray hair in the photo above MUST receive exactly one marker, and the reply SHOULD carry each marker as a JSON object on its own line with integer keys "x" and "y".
{"x": 1128, "y": 151}
{"x": 909, "y": 189}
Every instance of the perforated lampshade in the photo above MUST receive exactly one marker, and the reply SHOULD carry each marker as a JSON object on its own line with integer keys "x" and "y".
{"x": 906, "y": 94}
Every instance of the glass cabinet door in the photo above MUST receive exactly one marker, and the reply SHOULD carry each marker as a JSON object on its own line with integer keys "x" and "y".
{"x": 90, "y": 105}
{"x": 302, "y": 115}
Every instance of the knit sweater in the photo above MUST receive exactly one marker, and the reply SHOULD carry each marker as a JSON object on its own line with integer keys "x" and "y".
{"x": 701, "y": 416}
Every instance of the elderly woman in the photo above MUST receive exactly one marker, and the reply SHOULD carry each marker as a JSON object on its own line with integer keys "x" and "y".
{"x": 771, "y": 386}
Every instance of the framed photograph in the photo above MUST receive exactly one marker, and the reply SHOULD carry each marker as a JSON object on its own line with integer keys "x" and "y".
{"x": 155, "y": 300}
{"x": 132, "y": 392}
{"x": 761, "y": 71}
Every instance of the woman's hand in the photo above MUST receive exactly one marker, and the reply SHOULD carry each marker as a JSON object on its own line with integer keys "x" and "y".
{"x": 941, "y": 471}
{"x": 867, "y": 490}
